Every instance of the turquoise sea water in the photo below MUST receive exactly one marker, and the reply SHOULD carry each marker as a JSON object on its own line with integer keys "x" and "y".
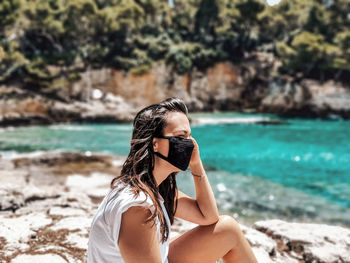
{"x": 298, "y": 170}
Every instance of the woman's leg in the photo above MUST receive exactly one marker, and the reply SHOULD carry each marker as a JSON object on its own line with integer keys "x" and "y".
{"x": 206, "y": 244}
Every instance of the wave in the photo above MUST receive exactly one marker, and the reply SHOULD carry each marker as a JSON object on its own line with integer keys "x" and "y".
{"x": 238, "y": 120}
{"x": 122, "y": 128}
{"x": 69, "y": 127}
{"x": 9, "y": 128}
{"x": 15, "y": 154}
{"x": 87, "y": 128}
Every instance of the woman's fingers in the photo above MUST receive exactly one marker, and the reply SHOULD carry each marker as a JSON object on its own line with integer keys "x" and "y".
{"x": 195, "y": 158}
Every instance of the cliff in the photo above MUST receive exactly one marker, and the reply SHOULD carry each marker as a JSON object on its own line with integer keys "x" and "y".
{"x": 107, "y": 95}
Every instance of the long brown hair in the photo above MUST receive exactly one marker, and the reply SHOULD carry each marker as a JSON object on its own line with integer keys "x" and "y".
{"x": 138, "y": 168}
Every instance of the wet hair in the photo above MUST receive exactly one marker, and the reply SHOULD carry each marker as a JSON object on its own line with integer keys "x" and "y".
{"x": 137, "y": 170}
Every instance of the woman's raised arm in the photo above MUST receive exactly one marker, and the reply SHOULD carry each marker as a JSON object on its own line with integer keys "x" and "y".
{"x": 202, "y": 210}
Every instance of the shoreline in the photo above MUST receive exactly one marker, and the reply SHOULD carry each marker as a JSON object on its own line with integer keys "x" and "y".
{"x": 20, "y": 107}
{"x": 14, "y": 120}
{"x": 53, "y": 196}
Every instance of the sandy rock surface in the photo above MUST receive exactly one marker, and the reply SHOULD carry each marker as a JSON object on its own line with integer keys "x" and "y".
{"x": 309, "y": 242}
{"x": 44, "y": 221}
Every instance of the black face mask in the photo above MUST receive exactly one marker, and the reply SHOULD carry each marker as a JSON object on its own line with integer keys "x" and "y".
{"x": 180, "y": 151}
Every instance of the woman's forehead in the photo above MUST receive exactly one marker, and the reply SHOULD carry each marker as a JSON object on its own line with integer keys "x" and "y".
{"x": 177, "y": 121}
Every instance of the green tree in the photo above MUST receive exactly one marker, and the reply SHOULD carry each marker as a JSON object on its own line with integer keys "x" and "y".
{"x": 238, "y": 26}
{"x": 317, "y": 46}
{"x": 183, "y": 17}
{"x": 283, "y": 21}
{"x": 48, "y": 43}
{"x": 342, "y": 62}
{"x": 311, "y": 54}
{"x": 206, "y": 17}
{"x": 9, "y": 13}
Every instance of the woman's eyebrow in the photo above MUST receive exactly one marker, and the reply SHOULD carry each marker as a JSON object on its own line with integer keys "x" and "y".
{"x": 184, "y": 131}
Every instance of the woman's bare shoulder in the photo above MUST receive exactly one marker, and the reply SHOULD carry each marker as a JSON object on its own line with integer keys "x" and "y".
{"x": 138, "y": 239}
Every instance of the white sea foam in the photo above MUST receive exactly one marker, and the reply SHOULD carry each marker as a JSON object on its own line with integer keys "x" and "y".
{"x": 15, "y": 154}
{"x": 70, "y": 128}
{"x": 122, "y": 128}
{"x": 327, "y": 156}
{"x": 221, "y": 187}
{"x": 9, "y": 128}
{"x": 238, "y": 120}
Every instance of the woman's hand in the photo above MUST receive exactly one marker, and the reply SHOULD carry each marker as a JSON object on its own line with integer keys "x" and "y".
{"x": 195, "y": 162}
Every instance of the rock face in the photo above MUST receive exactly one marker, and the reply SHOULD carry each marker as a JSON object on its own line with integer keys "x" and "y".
{"x": 107, "y": 95}
{"x": 307, "y": 98}
{"x": 22, "y": 107}
{"x": 47, "y": 218}
{"x": 251, "y": 85}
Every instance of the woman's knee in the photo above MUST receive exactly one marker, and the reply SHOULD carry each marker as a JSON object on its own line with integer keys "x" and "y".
{"x": 230, "y": 229}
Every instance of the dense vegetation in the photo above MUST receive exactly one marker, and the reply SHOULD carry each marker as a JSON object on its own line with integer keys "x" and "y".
{"x": 45, "y": 43}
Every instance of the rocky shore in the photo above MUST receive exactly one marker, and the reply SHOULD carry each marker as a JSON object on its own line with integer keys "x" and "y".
{"x": 25, "y": 107}
{"x": 112, "y": 96}
{"x": 48, "y": 199}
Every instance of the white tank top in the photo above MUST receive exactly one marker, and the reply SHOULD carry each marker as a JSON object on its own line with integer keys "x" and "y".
{"x": 104, "y": 233}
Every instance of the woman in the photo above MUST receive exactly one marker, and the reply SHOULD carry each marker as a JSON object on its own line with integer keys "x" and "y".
{"x": 133, "y": 222}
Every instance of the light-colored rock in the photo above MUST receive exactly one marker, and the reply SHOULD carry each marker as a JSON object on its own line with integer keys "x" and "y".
{"x": 73, "y": 223}
{"x": 77, "y": 240}
{"x": 328, "y": 96}
{"x": 74, "y": 200}
{"x": 287, "y": 259}
{"x": 284, "y": 95}
{"x": 95, "y": 185}
{"x": 307, "y": 98}
{"x": 45, "y": 258}
{"x": 94, "y": 110}
{"x": 10, "y": 197}
{"x": 319, "y": 242}
{"x": 65, "y": 212}
{"x": 17, "y": 231}
{"x": 259, "y": 239}
{"x": 265, "y": 248}
{"x": 52, "y": 227}
{"x": 262, "y": 255}
{"x": 13, "y": 196}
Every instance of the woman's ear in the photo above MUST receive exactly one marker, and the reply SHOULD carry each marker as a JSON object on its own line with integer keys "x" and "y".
{"x": 155, "y": 145}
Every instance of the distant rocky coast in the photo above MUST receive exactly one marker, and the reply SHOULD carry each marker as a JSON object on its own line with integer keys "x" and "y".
{"x": 112, "y": 96}
{"x": 24, "y": 107}
{"x": 48, "y": 199}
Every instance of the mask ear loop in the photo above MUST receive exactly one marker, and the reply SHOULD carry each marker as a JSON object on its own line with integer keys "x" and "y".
{"x": 161, "y": 156}
{"x": 158, "y": 153}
